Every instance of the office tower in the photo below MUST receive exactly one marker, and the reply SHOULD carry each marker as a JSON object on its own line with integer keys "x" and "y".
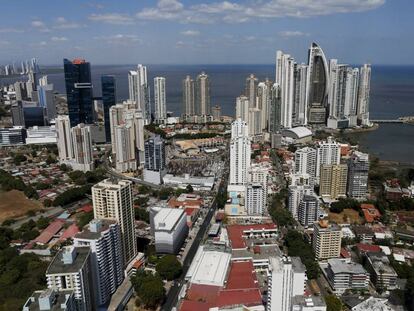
{"x": 103, "y": 237}
{"x": 351, "y": 96}
{"x": 112, "y": 199}
{"x": 240, "y": 150}
{"x": 154, "y": 160}
{"x": 51, "y": 299}
{"x": 251, "y": 90}
{"x": 34, "y": 67}
{"x": 139, "y": 91}
{"x": 287, "y": 278}
{"x": 363, "y": 95}
{"x": 78, "y": 91}
{"x": 358, "y": 168}
{"x": 82, "y": 148}
{"x": 71, "y": 269}
{"x": 255, "y": 199}
{"x": 285, "y": 65}
{"x": 188, "y": 97}
{"x": 160, "y": 108}
{"x": 125, "y": 155}
{"x": 17, "y": 114}
{"x": 329, "y": 152}
{"x": 170, "y": 229}
{"x": 326, "y": 240}
{"x": 300, "y": 114}
{"x": 108, "y": 100}
{"x": 275, "y": 109}
{"x": 263, "y": 101}
{"x": 216, "y": 113}
{"x": 202, "y": 92}
{"x": 317, "y": 85}
{"x": 305, "y": 161}
{"x": 12, "y": 136}
{"x": 47, "y": 100}
{"x": 242, "y": 108}
{"x": 333, "y": 181}
{"x": 64, "y": 138}
{"x": 255, "y": 121}
{"x": 20, "y": 90}
{"x": 308, "y": 211}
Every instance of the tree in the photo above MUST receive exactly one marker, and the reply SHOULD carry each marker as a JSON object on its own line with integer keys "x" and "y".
{"x": 42, "y": 222}
{"x": 169, "y": 267}
{"x": 47, "y": 203}
{"x": 333, "y": 303}
{"x": 142, "y": 189}
{"x": 141, "y": 214}
{"x": 50, "y": 160}
{"x": 189, "y": 189}
{"x": 84, "y": 219}
{"x": 149, "y": 288}
{"x": 165, "y": 193}
{"x": 19, "y": 158}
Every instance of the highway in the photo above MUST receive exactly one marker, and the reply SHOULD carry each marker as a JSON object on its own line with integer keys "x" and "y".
{"x": 175, "y": 290}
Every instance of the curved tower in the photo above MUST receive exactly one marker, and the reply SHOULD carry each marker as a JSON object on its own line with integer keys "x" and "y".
{"x": 318, "y": 81}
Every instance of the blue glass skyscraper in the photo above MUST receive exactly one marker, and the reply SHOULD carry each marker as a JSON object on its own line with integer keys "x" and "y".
{"x": 108, "y": 100}
{"x": 78, "y": 91}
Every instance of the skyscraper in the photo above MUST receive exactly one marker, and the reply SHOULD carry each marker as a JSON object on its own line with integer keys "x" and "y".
{"x": 82, "y": 148}
{"x": 305, "y": 161}
{"x": 300, "y": 114}
{"x": 160, "y": 108}
{"x": 139, "y": 91}
{"x": 275, "y": 109}
{"x": 285, "y": 66}
{"x": 240, "y": 149}
{"x": 263, "y": 101}
{"x": 255, "y": 199}
{"x": 308, "y": 211}
{"x": 255, "y": 121}
{"x": 112, "y": 199}
{"x": 188, "y": 96}
{"x": 251, "y": 90}
{"x": 363, "y": 95}
{"x": 78, "y": 91}
{"x": 358, "y": 168}
{"x": 125, "y": 155}
{"x": 202, "y": 91}
{"x": 46, "y": 100}
{"x": 317, "y": 85}
{"x": 333, "y": 181}
{"x": 154, "y": 160}
{"x": 64, "y": 139}
{"x": 108, "y": 99}
{"x": 242, "y": 108}
{"x": 329, "y": 152}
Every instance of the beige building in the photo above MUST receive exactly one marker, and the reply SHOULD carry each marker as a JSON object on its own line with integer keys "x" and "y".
{"x": 333, "y": 178}
{"x": 112, "y": 199}
{"x": 326, "y": 241}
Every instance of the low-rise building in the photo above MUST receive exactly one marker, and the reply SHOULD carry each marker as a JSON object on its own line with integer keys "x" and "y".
{"x": 364, "y": 233}
{"x": 383, "y": 275}
{"x": 343, "y": 275}
{"x": 308, "y": 303}
{"x": 51, "y": 300}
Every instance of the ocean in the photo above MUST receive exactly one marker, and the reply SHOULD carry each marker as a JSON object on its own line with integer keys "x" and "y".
{"x": 392, "y": 96}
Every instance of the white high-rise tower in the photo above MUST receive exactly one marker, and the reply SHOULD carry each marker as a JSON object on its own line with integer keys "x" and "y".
{"x": 285, "y": 67}
{"x": 139, "y": 91}
{"x": 160, "y": 108}
{"x": 240, "y": 149}
{"x": 363, "y": 94}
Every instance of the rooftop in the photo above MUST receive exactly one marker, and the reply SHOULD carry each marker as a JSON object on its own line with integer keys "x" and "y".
{"x": 167, "y": 218}
{"x": 50, "y": 298}
{"x": 340, "y": 266}
{"x": 299, "y": 132}
{"x": 316, "y": 301}
{"x": 48, "y": 233}
{"x": 239, "y": 233}
{"x": 58, "y": 267}
{"x": 373, "y": 304}
{"x": 88, "y": 234}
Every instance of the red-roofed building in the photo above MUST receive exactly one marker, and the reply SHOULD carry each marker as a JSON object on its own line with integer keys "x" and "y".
{"x": 48, "y": 233}
{"x": 191, "y": 213}
{"x": 86, "y": 208}
{"x": 371, "y": 213}
{"x": 363, "y": 248}
{"x": 186, "y": 200}
{"x": 69, "y": 233}
{"x": 189, "y": 305}
{"x": 247, "y": 297}
{"x": 238, "y": 233}
{"x": 345, "y": 253}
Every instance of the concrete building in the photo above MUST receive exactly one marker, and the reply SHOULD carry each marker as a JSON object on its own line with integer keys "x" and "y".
{"x": 308, "y": 210}
{"x": 296, "y": 192}
{"x": 70, "y": 269}
{"x": 139, "y": 91}
{"x": 275, "y": 103}
{"x": 154, "y": 169}
{"x": 240, "y": 149}
{"x": 160, "y": 103}
{"x": 263, "y": 101}
{"x": 216, "y": 113}
{"x": 255, "y": 199}
{"x": 285, "y": 79}
{"x": 329, "y": 152}
{"x": 358, "y": 168}
{"x": 251, "y": 90}
{"x": 383, "y": 276}
{"x": 300, "y": 105}
{"x": 12, "y": 136}
{"x": 344, "y": 275}
{"x": 41, "y": 135}
{"x": 125, "y": 158}
{"x": 326, "y": 240}
{"x": 112, "y": 199}
{"x": 82, "y": 148}
{"x": 308, "y": 303}
{"x": 363, "y": 95}
{"x": 305, "y": 161}
{"x": 333, "y": 181}
{"x": 51, "y": 300}
{"x": 286, "y": 279}
{"x": 188, "y": 108}
{"x": 255, "y": 121}
{"x": 103, "y": 237}
{"x": 64, "y": 139}
{"x": 202, "y": 94}
{"x": 242, "y": 108}
{"x": 170, "y": 229}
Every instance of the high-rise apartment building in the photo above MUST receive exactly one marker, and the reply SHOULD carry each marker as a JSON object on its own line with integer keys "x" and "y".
{"x": 255, "y": 121}
{"x": 154, "y": 160}
{"x": 358, "y": 168}
{"x": 103, "y": 237}
{"x": 263, "y": 101}
{"x": 285, "y": 65}
{"x": 108, "y": 100}
{"x": 202, "y": 91}
{"x": 287, "y": 278}
{"x": 275, "y": 109}
{"x": 308, "y": 211}
{"x": 255, "y": 199}
{"x": 125, "y": 151}
{"x": 251, "y": 90}
{"x": 240, "y": 150}
{"x": 160, "y": 106}
{"x": 333, "y": 181}
{"x": 326, "y": 240}
{"x": 329, "y": 152}
{"x": 71, "y": 269}
{"x": 82, "y": 148}
{"x": 139, "y": 91}
{"x": 305, "y": 161}
{"x": 78, "y": 91}
{"x": 363, "y": 95}
{"x": 188, "y": 97}
{"x": 242, "y": 108}
{"x": 112, "y": 199}
{"x": 300, "y": 113}
{"x": 216, "y": 113}
{"x": 64, "y": 139}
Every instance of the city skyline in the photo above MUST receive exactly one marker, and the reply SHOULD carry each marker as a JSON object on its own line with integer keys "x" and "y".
{"x": 185, "y": 32}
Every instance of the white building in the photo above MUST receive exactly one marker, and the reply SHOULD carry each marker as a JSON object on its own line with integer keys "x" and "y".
{"x": 242, "y": 108}
{"x": 103, "y": 237}
{"x": 160, "y": 106}
{"x": 255, "y": 199}
{"x": 240, "y": 150}
{"x": 363, "y": 95}
{"x": 308, "y": 211}
{"x": 263, "y": 101}
{"x": 308, "y": 303}
{"x": 139, "y": 91}
{"x": 255, "y": 121}
{"x": 329, "y": 152}
{"x": 112, "y": 199}
{"x": 305, "y": 161}
{"x": 344, "y": 275}
{"x": 170, "y": 229}
{"x": 300, "y": 107}
{"x": 82, "y": 148}
{"x": 125, "y": 155}
{"x": 64, "y": 140}
{"x": 52, "y": 300}
{"x": 41, "y": 135}
{"x": 287, "y": 278}
{"x": 188, "y": 96}
{"x": 71, "y": 270}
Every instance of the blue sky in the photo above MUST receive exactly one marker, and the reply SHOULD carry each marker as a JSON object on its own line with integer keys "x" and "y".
{"x": 203, "y": 31}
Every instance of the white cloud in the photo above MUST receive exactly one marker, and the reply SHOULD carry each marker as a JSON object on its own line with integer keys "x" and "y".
{"x": 63, "y": 23}
{"x": 11, "y": 30}
{"x": 39, "y": 25}
{"x": 112, "y": 18}
{"x": 4, "y": 43}
{"x": 292, "y": 33}
{"x": 191, "y": 33}
{"x": 58, "y": 39}
{"x": 124, "y": 39}
{"x": 241, "y": 12}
